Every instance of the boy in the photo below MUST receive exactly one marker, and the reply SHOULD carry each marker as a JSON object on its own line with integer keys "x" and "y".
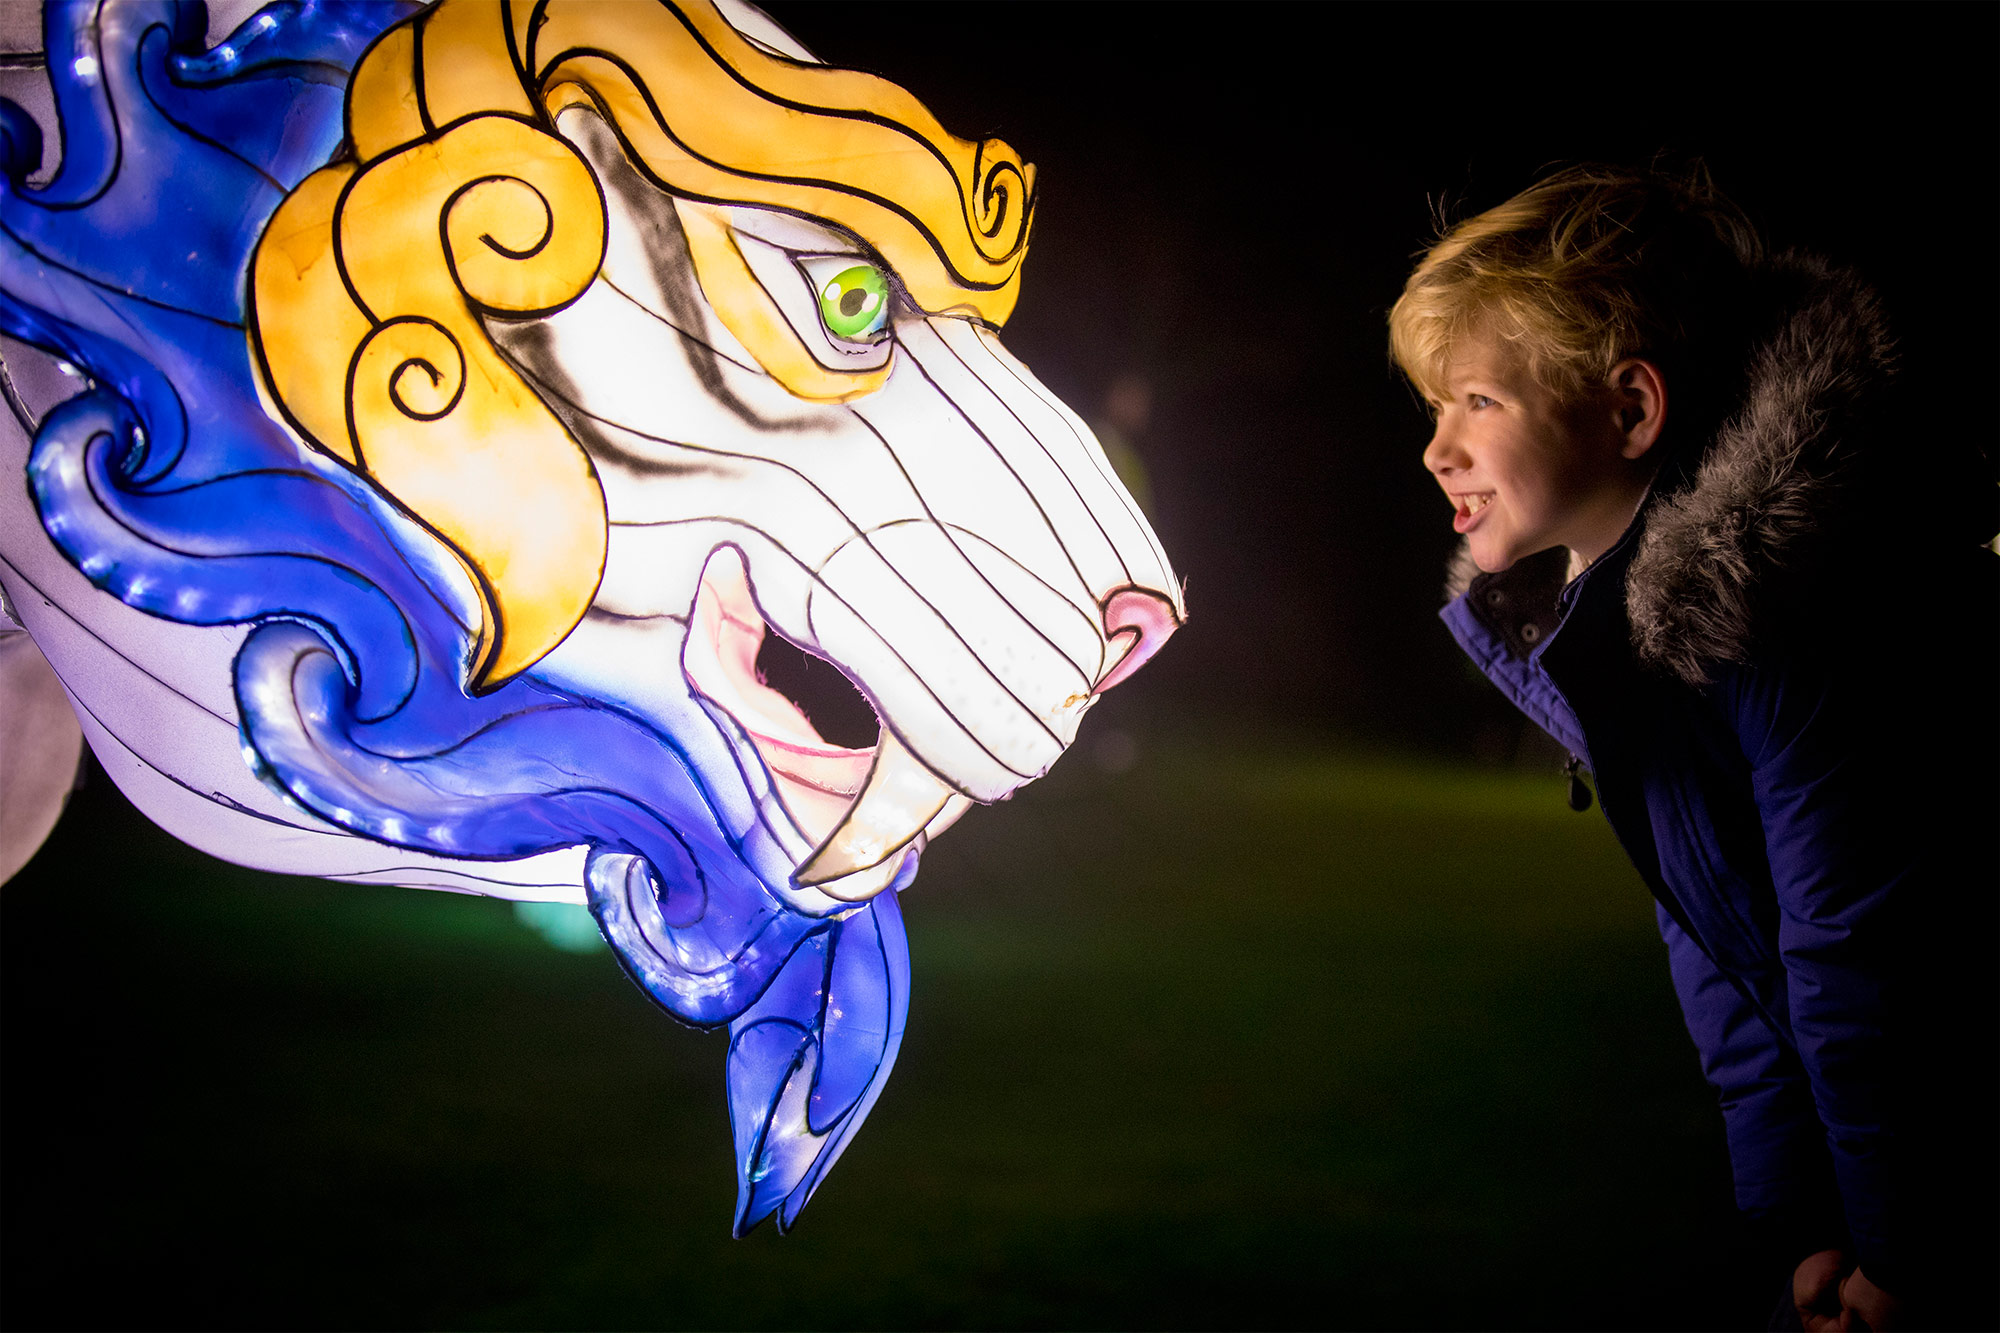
{"x": 1677, "y": 469}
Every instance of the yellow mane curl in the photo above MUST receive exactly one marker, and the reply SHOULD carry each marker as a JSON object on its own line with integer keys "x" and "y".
{"x": 460, "y": 203}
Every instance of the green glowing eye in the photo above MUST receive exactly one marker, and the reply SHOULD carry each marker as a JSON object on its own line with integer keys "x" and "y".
{"x": 855, "y": 303}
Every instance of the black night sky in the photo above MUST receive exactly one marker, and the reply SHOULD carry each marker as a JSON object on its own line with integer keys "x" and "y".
{"x": 1232, "y": 195}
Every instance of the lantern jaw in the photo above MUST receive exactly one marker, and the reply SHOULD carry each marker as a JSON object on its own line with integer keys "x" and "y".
{"x": 864, "y": 809}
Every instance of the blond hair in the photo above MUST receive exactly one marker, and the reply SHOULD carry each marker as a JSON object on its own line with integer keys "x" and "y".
{"x": 1587, "y": 267}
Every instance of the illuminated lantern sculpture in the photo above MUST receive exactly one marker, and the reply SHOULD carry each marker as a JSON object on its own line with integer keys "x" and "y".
{"x": 428, "y": 417}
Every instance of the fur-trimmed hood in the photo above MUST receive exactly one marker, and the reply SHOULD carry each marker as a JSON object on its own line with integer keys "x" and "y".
{"x": 1733, "y": 525}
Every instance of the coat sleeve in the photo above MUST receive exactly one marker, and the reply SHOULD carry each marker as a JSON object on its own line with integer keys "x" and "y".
{"x": 1845, "y": 860}
{"x": 1777, "y": 1154}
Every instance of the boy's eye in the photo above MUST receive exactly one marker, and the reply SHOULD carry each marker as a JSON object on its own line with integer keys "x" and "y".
{"x": 1478, "y": 400}
{"x": 853, "y": 301}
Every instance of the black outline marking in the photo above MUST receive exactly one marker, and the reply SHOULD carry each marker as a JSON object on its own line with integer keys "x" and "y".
{"x": 17, "y": 404}
{"x": 347, "y": 91}
{"x": 49, "y": 600}
{"x": 1064, "y": 412}
{"x": 1013, "y": 256}
{"x": 618, "y": 453}
{"x": 1000, "y": 455}
{"x": 96, "y": 477}
{"x": 980, "y": 182}
{"x": 924, "y": 503}
{"x": 696, "y": 339}
{"x": 116, "y": 162}
{"x": 85, "y": 278}
{"x": 419, "y": 30}
{"x": 394, "y": 394}
{"x": 1039, "y": 443}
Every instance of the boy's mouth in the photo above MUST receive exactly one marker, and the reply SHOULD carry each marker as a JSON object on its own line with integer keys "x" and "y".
{"x": 1469, "y": 507}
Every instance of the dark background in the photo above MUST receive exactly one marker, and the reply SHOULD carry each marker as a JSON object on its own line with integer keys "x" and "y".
{"x": 1324, "y": 1014}
{"x": 1231, "y": 197}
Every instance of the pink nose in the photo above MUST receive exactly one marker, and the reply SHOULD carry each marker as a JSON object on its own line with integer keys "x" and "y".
{"x": 1138, "y": 617}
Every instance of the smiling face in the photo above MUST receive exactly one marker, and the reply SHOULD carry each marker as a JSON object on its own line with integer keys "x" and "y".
{"x": 1526, "y": 469}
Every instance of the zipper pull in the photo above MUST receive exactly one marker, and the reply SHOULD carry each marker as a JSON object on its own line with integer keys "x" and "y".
{"x": 1579, "y": 793}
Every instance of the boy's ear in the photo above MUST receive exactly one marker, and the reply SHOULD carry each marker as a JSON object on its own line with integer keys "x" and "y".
{"x": 1639, "y": 393}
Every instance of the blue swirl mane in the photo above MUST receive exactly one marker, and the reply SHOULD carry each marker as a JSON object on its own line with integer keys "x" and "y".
{"x": 170, "y": 487}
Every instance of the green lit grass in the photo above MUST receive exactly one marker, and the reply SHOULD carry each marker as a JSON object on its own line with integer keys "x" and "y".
{"x": 1246, "y": 1037}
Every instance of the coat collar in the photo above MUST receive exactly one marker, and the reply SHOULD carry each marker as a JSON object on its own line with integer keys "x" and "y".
{"x": 1732, "y": 524}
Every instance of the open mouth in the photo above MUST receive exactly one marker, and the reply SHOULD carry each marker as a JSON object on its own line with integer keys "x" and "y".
{"x": 836, "y": 711}
{"x": 1469, "y": 506}
{"x": 848, "y": 783}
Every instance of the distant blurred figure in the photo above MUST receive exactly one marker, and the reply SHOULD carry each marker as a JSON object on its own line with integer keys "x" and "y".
{"x": 1128, "y": 407}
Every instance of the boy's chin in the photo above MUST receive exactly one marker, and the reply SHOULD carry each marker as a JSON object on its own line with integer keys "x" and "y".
{"x": 1494, "y": 558}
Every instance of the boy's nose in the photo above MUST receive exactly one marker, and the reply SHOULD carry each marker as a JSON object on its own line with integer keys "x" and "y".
{"x": 1443, "y": 454}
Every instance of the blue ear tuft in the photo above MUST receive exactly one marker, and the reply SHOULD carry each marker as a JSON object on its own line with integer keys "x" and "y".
{"x": 20, "y": 142}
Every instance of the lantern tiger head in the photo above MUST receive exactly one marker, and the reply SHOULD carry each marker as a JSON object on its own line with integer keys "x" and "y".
{"x": 454, "y": 435}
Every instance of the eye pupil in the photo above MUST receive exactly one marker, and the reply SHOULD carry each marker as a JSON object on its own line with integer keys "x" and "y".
{"x": 854, "y": 303}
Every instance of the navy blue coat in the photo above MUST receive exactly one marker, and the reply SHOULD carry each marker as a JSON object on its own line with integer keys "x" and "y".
{"x": 1770, "y": 757}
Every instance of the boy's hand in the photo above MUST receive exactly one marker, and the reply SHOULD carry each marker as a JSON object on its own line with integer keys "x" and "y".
{"x": 1865, "y": 1305}
{"x": 1816, "y": 1290}
{"x": 1831, "y": 1296}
